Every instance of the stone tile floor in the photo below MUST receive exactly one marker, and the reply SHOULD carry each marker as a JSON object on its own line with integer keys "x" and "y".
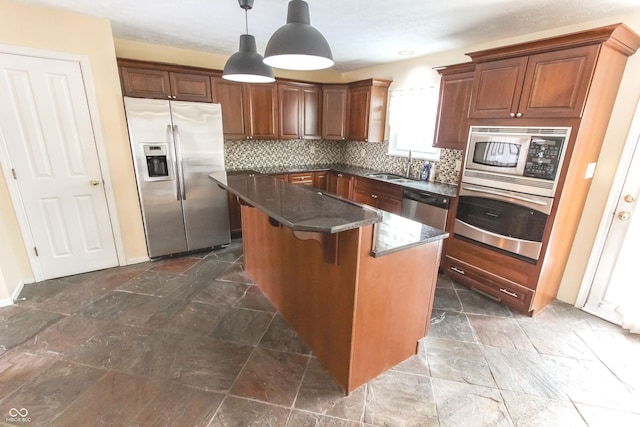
{"x": 191, "y": 341}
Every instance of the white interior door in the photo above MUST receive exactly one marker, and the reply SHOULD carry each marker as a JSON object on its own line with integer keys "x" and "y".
{"x": 48, "y": 144}
{"x": 615, "y": 291}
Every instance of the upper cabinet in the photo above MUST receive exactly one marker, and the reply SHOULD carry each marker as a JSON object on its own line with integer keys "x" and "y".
{"x": 299, "y": 110}
{"x": 368, "y": 110}
{"x": 452, "y": 127}
{"x": 544, "y": 85}
{"x": 334, "y": 112}
{"x": 148, "y": 80}
{"x": 249, "y": 111}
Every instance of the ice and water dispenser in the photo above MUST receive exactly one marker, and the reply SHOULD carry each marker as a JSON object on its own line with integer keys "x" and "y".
{"x": 156, "y": 156}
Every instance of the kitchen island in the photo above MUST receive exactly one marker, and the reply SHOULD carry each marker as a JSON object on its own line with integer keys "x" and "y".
{"x": 355, "y": 283}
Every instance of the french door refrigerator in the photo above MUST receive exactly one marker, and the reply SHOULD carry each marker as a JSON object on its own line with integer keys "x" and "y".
{"x": 175, "y": 146}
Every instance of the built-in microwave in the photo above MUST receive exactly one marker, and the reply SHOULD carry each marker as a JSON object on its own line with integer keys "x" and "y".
{"x": 524, "y": 159}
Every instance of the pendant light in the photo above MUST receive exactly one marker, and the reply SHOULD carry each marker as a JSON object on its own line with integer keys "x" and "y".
{"x": 246, "y": 65}
{"x": 297, "y": 45}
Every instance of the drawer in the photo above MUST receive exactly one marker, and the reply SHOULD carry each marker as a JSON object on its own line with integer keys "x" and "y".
{"x": 498, "y": 288}
{"x": 301, "y": 178}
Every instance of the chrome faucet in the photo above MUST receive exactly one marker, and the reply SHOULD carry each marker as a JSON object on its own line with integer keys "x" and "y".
{"x": 408, "y": 171}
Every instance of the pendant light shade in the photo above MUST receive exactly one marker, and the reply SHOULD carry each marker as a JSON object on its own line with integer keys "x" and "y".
{"x": 297, "y": 45}
{"x": 247, "y": 64}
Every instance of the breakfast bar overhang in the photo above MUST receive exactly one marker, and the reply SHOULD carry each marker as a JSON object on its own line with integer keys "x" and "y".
{"x": 355, "y": 283}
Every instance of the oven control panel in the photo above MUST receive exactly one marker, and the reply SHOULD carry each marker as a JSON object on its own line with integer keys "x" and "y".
{"x": 543, "y": 158}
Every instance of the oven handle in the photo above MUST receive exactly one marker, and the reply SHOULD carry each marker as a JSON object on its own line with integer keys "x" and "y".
{"x": 498, "y": 193}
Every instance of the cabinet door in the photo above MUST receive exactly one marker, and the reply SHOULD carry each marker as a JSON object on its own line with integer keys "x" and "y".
{"x": 231, "y": 98}
{"x": 190, "y": 87}
{"x": 497, "y": 87}
{"x": 290, "y": 108}
{"x": 311, "y": 120}
{"x": 262, "y": 110}
{"x": 145, "y": 83}
{"x": 556, "y": 83}
{"x": 453, "y": 110}
{"x": 321, "y": 180}
{"x": 235, "y": 217}
{"x": 334, "y": 112}
{"x": 340, "y": 184}
{"x": 359, "y": 102}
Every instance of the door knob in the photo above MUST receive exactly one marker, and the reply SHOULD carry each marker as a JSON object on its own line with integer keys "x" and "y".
{"x": 624, "y": 216}
{"x": 94, "y": 182}
{"x": 629, "y": 198}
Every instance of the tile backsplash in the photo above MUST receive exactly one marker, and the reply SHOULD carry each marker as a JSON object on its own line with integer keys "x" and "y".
{"x": 243, "y": 154}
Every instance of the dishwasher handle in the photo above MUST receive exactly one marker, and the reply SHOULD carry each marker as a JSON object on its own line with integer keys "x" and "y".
{"x": 429, "y": 199}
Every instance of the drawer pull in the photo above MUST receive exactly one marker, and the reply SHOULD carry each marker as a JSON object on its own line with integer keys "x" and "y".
{"x": 373, "y": 196}
{"x": 508, "y": 292}
{"x": 457, "y": 270}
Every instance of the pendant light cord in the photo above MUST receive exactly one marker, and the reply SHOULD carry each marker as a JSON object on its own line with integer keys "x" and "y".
{"x": 246, "y": 21}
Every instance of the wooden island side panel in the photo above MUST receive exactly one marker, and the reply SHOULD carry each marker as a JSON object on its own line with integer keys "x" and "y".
{"x": 360, "y": 315}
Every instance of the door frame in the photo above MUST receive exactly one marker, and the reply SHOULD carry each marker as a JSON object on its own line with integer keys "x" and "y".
{"x": 16, "y": 197}
{"x": 610, "y": 208}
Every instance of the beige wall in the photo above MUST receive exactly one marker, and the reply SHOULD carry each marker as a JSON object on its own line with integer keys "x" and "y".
{"x": 173, "y": 55}
{"x": 43, "y": 28}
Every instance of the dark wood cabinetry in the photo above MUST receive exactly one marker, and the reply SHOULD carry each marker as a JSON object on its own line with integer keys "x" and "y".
{"x": 303, "y": 178}
{"x": 368, "y": 110}
{"x": 387, "y": 197}
{"x": 334, "y": 112}
{"x": 341, "y": 184}
{"x": 300, "y": 109}
{"x": 570, "y": 81}
{"x": 232, "y": 101}
{"x": 548, "y": 84}
{"x": 145, "y": 80}
{"x": 452, "y": 126}
{"x": 321, "y": 180}
{"x": 249, "y": 111}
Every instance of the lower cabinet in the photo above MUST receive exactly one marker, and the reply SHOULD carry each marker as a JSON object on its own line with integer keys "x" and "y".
{"x": 387, "y": 197}
{"x": 235, "y": 219}
{"x": 321, "y": 180}
{"x": 341, "y": 184}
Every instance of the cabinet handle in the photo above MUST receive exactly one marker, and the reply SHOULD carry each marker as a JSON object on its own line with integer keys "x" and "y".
{"x": 519, "y": 115}
{"x": 373, "y": 196}
{"x": 457, "y": 270}
{"x": 508, "y": 292}
{"x": 339, "y": 174}
{"x": 512, "y": 115}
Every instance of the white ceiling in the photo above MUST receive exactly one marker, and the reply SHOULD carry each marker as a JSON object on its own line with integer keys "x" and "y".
{"x": 361, "y": 33}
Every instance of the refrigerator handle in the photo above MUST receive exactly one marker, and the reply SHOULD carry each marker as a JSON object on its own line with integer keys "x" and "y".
{"x": 172, "y": 138}
{"x": 176, "y": 138}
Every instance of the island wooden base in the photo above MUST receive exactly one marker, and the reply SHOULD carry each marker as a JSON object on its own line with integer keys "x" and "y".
{"x": 360, "y": 315}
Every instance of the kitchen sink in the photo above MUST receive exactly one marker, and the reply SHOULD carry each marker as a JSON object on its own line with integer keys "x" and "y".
{"x": 387, "y": 176}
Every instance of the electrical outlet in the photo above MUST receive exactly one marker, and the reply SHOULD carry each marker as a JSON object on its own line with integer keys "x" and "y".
{"x": 591, "y": 169}
{"x": 312, "y": 148}
{"x": 363, "y": 152}
{"x": 458, "y": 165}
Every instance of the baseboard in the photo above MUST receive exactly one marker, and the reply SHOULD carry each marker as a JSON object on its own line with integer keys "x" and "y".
{"x": 14, "y": 296}
{"x": 139, "y": 260}
{"x": 16, "y": 291}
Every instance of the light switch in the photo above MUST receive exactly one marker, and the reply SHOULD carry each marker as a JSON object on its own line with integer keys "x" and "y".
{"x": 591, "y": 168}
{"x": 312, "y": 148}
{"x": 458, "y": 165}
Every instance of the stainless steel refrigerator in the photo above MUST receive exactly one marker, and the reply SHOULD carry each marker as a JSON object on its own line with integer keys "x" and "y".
{"x": 175, "y": 146}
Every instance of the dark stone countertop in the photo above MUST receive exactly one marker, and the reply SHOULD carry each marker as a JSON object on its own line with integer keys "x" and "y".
{"x": 437, "y": 188}
{"x": 304, "y": 208}
{"x": 297, "y": 207}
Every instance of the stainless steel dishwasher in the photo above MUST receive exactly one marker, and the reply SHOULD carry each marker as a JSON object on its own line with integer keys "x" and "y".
{"x": 426, "y": 208}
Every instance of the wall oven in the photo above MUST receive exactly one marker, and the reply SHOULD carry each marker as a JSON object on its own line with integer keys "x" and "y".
{"x": 505, "y": 220}
{"x": 520, "y": 159}
{"x": 508, "y": 183}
